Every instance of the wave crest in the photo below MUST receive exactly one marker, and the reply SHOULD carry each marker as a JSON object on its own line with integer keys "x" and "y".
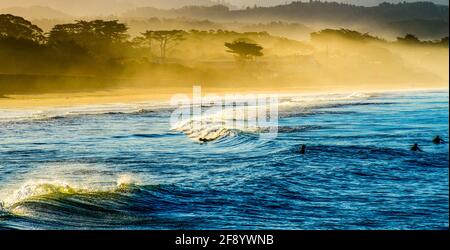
{"x": 204, "y": 131}
{"x": 234, "y": 121}
{"x": 40, "y": 189}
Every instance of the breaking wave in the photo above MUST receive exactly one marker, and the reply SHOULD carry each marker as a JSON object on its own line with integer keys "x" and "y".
{"x": 238, "y": 120}
{"x": 41, "y": 189}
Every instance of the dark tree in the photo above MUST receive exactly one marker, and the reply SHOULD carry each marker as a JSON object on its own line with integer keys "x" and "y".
{"x": 104, "y": 41}
{"x": 330, "y": 34}
{"x": 444, "y": 41}
{"x": 244, "y": 50}
{"x": 409, "y": 38}
{"x": 92, "y": 32}
{"x": 19, "y": 28}
{"x": 166, "y": 40}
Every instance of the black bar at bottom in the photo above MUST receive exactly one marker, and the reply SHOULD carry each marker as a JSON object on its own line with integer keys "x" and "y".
{"x": 204, "y": 239}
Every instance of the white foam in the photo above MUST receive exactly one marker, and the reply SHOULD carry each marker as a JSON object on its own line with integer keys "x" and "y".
{"x": 224, "y": 122}
{"x": 63, "y": 178}
{"x": 14, "y": 115}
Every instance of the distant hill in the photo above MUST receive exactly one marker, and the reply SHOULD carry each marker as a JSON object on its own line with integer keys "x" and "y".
{"x": 266, "y": 3}
{"x": 36, "y": 12}
{"x": 74, "y": 7}
{"x": 170, "y": 4}
{"x": 423, "y": 18}
{"x": 290, "y": 30}
{"x": 425, "y": 29}
{"x": 105, "y": 7}
{"x": 113, "y": 7}
{"x": 336, "y": 13}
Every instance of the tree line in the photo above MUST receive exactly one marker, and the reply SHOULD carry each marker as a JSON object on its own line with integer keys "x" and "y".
{"x": 101, "y": 47}
{"x": 408, "y": 39}
{"x": 104, "y": 44}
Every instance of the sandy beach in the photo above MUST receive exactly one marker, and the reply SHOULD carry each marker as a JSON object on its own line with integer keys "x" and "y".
{"x": 129, "y": 95}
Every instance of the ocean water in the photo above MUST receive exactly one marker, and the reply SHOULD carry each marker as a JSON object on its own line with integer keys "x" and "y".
{"x": 125, "y": 167}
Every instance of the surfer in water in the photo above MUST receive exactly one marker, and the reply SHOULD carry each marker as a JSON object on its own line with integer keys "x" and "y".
{"x": 205, "y": 139}
{"x": 438, "y": 140}
{"x": 415, "y": 147}
{"x": 302, "y": 149}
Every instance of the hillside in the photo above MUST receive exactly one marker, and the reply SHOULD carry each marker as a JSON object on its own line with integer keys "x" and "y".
{"x": 36, "y": 12}
{"x": 425, "y": 19}
{"x": 426, "y": 29}
{"x": 306, "y": 11}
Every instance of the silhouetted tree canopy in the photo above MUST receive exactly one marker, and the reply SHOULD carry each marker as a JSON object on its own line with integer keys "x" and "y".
{"x": 409, "y": 38}
{"x": 244, "y": 49}
{"x": 103, "y": 40}
{"x": 18, "y": 27}
{"x": 444, "y": 41}
{"x": 166, "y": 39}
{"x": 86, "y": 32}
{"x": 328, "y": 34}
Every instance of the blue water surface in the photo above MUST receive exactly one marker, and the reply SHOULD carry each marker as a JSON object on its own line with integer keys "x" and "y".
{"x": 131, "y": 171}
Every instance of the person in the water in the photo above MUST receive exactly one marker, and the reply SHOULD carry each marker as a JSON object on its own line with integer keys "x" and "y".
{"x": 204, "y": 139}
{"x": 415, "y": 147}
{"x": 438, "y": 140}
{"x": 302, "y": 149}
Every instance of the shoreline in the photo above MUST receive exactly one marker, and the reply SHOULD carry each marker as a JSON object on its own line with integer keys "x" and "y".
{"x": 137, "y": 95}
